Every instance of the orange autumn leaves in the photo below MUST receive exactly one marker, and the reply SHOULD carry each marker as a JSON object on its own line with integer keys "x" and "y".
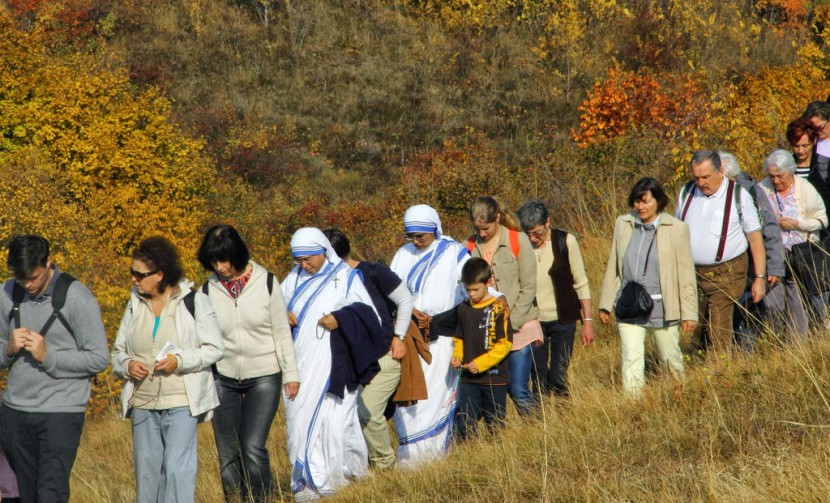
{"x": 625, "y": 101}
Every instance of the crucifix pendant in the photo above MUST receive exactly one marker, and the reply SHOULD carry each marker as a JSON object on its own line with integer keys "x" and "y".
{"x": 336, "y": 279}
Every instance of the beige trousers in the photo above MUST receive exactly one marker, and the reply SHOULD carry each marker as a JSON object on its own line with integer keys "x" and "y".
{"x": 371, "y": 404}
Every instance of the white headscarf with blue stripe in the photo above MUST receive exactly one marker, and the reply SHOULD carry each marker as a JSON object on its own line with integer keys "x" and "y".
{"x": 311, "y": 241}
{"x": 422, "y": 218}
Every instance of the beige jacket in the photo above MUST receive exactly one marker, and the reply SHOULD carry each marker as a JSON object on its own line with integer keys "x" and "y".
{"x": 811, "y": 210}
{"x": 678, "y": 283}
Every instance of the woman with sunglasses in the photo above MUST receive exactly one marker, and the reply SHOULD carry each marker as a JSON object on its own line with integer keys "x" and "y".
{"x": 259, "y": 361}
{"x": 166, "y": 344}
{"x": 430, "y": 264}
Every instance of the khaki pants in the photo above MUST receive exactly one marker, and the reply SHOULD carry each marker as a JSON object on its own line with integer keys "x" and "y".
{"x": 718, "y": 289}
{"x": 371, "y": 404}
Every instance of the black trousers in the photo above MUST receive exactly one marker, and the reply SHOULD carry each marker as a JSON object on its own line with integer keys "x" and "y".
{"x": 476, "y": 401}
{"x": 41, "y": 448}
{"x": 552, "y": 358}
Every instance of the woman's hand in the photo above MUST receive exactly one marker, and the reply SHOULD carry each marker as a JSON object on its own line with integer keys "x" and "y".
{"x": 788, "y": 224}
{"x": 688, "y": 325}
{"x": 167, "y": 365}
{"x": 604, "y": 316}
{"x": 455, "y": 362}
{"x": 291, "y": 389}
{"x": 588, "y": 334}
{"x": 292, "y": 319}
{"x": 329, "y": 322}
{"x": 137, "y": 370}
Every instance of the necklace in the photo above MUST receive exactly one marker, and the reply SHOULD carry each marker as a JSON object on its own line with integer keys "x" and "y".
{"x": 540, "y": 250}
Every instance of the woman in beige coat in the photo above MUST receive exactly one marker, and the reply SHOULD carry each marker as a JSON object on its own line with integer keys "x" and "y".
{"x": 652, "y": 248}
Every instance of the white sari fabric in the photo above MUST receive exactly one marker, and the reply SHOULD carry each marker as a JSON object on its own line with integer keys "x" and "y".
{"x": 433, "y": 276}
{"x": 325, "y": 441}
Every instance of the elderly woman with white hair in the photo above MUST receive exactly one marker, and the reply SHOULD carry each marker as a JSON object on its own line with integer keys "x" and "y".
{"x": 430, "y": 264}
{"x": 801, "y": 215}
{"x": 325, "y": 441}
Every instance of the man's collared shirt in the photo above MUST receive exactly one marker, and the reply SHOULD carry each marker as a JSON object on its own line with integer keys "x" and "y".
{"x": 705, "y": 220}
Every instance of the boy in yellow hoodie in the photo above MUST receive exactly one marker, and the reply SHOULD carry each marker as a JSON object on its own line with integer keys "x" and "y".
{"x": 482, "y": 341}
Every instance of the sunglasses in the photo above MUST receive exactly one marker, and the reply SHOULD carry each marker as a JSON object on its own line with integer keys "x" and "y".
{"x": 141, "y": 275}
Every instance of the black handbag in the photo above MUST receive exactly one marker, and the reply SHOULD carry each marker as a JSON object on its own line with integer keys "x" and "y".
{"x": 810, "y": 265}
{"x": 635, "y": 303}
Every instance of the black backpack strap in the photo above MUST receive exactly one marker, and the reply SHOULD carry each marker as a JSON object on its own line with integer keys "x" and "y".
{"x": 270, "y": 282}
{"x": 190, "y": 302}
{"x": 206, "y": 288}
{"x": 17, "y": 297}
{"x": 58, "y": 301}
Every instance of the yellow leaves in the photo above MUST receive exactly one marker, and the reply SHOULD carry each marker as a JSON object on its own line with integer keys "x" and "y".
{"x": 109, "y": 155}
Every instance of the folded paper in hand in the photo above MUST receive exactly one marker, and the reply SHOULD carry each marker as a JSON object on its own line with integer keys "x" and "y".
{"x": 168, "y": 348}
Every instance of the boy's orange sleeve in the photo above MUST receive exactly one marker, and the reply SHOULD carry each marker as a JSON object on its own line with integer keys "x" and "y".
{"x": 458, "y": 348}
{"x": 501, "y": 348}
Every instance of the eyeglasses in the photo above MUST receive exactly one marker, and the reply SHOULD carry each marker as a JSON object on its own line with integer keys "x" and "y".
{"x": 141, "y": 275}
{"x": 416, "y": 236}
{"x": 537, "y": 233}
{"x": 304, "y": 260}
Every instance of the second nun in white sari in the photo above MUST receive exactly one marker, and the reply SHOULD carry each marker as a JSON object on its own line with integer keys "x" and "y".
{"x": 431, "y": 265}
{"x": 325, "y": 442}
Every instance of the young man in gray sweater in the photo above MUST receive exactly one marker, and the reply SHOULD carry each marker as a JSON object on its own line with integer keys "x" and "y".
{"x": 50, "y": 356}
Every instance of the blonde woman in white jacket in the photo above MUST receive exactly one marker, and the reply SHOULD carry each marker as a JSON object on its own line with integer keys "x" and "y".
{"x": 166, "y": 344}
{"x": 259, "y": 361}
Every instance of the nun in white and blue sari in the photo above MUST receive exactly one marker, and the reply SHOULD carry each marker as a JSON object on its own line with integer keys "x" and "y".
{"x": 430, "y": 264}
{"x": 325, "y": 442}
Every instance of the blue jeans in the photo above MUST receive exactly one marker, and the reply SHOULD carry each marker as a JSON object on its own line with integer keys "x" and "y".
{"x": 240, "y": 427}
{"x": 164, "y": 450}
{"x": 521, "y": 361}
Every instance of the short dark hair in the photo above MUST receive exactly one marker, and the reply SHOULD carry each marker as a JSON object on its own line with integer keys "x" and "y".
{"x": 817, "y": 109}
{"x": 27, "y": 253}
{"x": 161, "y": 255}
{"x": 532, "y": 213}
{"x": 339, "y": 242}
{"x": 475, "y": 270}
{"x": 223, "y": 244}
{"x": 648, "y": 184}
{"x": 706, "y": 155}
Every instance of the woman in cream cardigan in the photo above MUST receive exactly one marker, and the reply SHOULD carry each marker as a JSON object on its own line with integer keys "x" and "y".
{"x": 652, "y": 248}
{"x": 801, "y": 215}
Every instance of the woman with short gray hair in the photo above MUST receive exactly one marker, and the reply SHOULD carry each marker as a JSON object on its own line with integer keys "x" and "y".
{"x": 801, "y": 215}
{"x": 563, "y": 296}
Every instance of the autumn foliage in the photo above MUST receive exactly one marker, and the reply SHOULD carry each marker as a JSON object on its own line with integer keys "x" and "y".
{"x": 625, "y": 101}
{"x": 123, "y": 119}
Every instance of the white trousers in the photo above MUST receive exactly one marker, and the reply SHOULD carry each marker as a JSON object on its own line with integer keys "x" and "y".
{"x": 633, "y": 345}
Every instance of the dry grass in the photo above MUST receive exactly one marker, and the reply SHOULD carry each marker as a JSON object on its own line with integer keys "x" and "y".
{"x": 753, "y": 428}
